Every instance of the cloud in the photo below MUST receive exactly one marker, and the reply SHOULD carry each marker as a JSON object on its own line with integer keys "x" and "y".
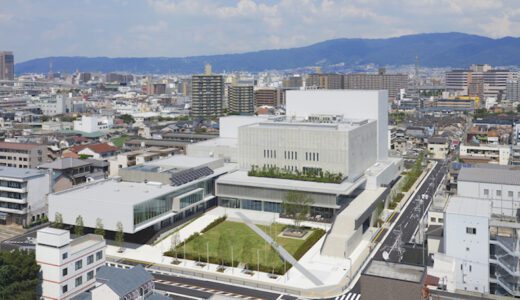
{"x": 196, "y": 27}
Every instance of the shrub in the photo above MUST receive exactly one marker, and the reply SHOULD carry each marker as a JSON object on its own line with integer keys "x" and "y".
{"x": 214, "y": 223}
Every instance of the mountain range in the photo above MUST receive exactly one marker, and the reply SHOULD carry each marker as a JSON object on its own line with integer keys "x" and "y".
{"x": 433, "y": 49}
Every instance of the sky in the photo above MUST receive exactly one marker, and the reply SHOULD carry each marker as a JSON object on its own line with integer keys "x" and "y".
{"x": 176, "y": 28}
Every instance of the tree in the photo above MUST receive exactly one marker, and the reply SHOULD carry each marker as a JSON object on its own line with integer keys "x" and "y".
{"x": 19, "y": 275}
{"x": 297, "y": 205}
{"x": 198, "y": 246}
{"x": 120, "y": 236}
{"x": 247, "y": 252}
{"x": 58, "y": 220}
{"x": 100, "y": 230}
{"x": 78, "y": 228}
{"x": 223, "y": 247}
{"x": 518, "y": 109}
{"x": 128, "y": 119}
{"x": 175, "y": 243}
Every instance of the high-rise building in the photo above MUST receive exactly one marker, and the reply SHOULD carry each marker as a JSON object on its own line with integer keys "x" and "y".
{"x": 293, "y": 82}
{"x": 241, "y": 99}
{"x": 266, "y": 96}
{"x": 513, "y": 90}
{"x": 207, "y": 95}
{"x": 325, "y": 81}
{"x": 6, "y": 65}
{"x": 393, "y": 83}
{"x": 480, "y": 80}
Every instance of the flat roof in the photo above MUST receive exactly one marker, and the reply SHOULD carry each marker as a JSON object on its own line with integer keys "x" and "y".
{"x": 395, "y": 271}
{"x": 182, "y": 161}
{"x": 490, "y": 175}
{"x": 20, "y": 172}
{"x": 220, "y": 141}
{"x": 112, "y": 191}
{"x": 65, "y": 163}
{"x": 241, "y": 178}
{"x": 468, "y": 207}
{"x": 343, "y": 125}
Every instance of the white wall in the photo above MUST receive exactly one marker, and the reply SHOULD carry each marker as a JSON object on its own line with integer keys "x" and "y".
{"x": 353, "y": 104}
{"x": 500, "y": 204}
{"x": 229, "y": 125}
{"x": 471, "y": 251}
{"x": 37, "y": 189}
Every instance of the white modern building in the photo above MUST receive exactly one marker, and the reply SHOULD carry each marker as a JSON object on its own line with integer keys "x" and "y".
{"x": 152, "y": 195}
{"x": 55, "y": 105}
{"x": 494, "y": 154}
{"x": 94, "y": 123}
{"x": 481, "y": 233}
{"x": 22, "y": 195}
{"x": 68, "y": 267}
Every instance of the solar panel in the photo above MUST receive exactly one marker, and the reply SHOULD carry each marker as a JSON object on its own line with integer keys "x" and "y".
{"x": 186, "y": 176}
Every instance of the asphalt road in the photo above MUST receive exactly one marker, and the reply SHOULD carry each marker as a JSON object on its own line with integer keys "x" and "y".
{"x": 410, "y": 217}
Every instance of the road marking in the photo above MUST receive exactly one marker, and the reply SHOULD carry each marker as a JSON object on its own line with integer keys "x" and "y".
{"x": 357, "y": 297}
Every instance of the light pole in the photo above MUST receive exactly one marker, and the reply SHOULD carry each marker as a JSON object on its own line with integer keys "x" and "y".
{"x": 184, "y": 246}
{"x": 232, "y": 262}
{"x": 207, "y": 253}
{"x": 258, "y": 262}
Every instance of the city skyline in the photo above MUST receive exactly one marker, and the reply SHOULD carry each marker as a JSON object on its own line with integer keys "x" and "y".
{"x": 119, "y": 28}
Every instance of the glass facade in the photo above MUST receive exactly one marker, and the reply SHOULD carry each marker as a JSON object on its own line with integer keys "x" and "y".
{"x": 152, "y": 208}
{"x": 191, "y": 199}
{"x": 229, "y": 202}
{"x": 252, "y": 204}
{"x": 273, "y": 207}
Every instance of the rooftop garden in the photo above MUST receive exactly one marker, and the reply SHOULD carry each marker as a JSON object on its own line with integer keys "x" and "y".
{"x": 313, "y": 174}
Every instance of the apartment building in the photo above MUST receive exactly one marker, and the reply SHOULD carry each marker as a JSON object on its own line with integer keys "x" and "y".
{"x": 91, "y": 124}
{"x": 241, "y": 99}
{"x": 495, "y": 154}
{"x": 6, "y": 65}
{"x": 68, "y": 267}
{"x": 207, "y": 95}
{"x": 393, "y": 83}
{"x": 19, "y": 155}
{"x": 481, "y": 233}
{"x": 268, "y": 97}
{"x": 325, "y": 81}
{"x": 22, "y": 195}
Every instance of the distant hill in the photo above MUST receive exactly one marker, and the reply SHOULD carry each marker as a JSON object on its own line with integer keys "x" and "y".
{"x": 434, "y": 50}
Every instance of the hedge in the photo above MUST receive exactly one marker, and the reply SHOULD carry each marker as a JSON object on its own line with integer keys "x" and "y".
{"x": 214, "y": 223}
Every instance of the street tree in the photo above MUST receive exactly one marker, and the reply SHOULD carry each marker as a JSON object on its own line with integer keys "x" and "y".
{"x": 120, "y": 236}
{"x": 100, "y": 230}
{"x": 79, "y": 228}
{"x": 58, "y": 221}
{"x": 174, "y": 244}
{"x": 247, "y": 252}
{"x": 297, "y": 205}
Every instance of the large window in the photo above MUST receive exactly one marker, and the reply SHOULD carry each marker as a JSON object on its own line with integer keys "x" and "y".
{"x": 273, "y": 207}
{"x": 78, "y": 264}
{"x": 229, "y": 202}
{"x": 78, "y": 281}
{"x": 191, "y": 199}
{"x": 158, "y": 206}
{"x": 252, "y": 204}
{"x": 152, "y": 208}
{"x": 90, "y": 259}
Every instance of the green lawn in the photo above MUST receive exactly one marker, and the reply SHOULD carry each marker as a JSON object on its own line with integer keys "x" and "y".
{"x": 238, "y": 236}
{"x": 120, "y": 141}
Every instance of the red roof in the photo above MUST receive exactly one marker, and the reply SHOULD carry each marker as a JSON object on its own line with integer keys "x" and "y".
{"x": 98, "y": 148}
{"x": 18, "y": 146}
{"x": 69, "y": 154}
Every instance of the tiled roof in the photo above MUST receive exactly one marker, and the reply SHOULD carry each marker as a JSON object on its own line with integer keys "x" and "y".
{"x": 98, "y": 148}
{"x": 123, "y": 281}
{"x": 18, "y": 146}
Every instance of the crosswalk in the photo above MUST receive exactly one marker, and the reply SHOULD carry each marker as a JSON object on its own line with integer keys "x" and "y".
{"x": 207, "y": 290}
{"x": 349, "y": 296}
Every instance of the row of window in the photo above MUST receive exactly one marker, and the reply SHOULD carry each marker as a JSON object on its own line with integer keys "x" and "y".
{"x": 313, "y": 156}
{"x": 13, "y": 158}
{"x": 78, "y": 281}
{"x": 498, "y": 193}
{"x": 269, "y": 153}
{"x": 79, "y": 263}
{"x": 292, "y": 155}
